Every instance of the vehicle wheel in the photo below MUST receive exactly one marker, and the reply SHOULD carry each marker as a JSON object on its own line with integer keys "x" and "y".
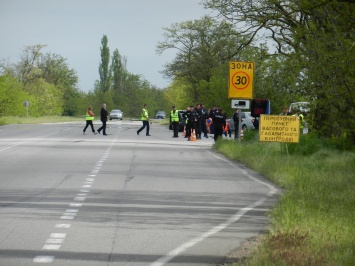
{"x": 244, "y": 127}
{"x": 110, "y": 118}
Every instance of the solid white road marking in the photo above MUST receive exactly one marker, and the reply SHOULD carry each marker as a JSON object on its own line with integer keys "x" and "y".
{"x": 174, "y": 253}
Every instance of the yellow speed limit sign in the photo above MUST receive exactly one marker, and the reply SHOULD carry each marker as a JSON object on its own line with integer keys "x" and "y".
{"x": 241, "y": 75}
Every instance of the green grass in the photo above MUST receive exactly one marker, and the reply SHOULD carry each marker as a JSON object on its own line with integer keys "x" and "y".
{"x": 6, "y": 120}
{"x": 313, "y": 222}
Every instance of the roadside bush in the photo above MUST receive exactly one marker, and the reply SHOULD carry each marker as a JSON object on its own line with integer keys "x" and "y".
{"x": 308, "y": 144}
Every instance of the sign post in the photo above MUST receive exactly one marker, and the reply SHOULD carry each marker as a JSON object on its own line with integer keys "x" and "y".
{"x": 26, "y": 104}
{"x": 241, "y": 76}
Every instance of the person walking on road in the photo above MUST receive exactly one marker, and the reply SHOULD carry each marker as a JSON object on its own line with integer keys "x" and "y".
{"x": 175, "y": 121}
{"x": 103, "y": 118}
{"x": 89, "y": 120}
{"x": 145, "y": 120}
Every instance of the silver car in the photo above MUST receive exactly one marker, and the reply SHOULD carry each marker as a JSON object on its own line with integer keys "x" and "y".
{"x": 247, "y": 122}
{"x": 116, "y": 114}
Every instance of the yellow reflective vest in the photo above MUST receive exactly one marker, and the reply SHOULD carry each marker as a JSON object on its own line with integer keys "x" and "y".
{"x": 89, "y": 117}
{"x": 174, "y": 116}
{"x": 144, "y": 114}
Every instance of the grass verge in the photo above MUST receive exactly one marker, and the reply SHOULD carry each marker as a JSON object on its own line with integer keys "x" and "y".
{"x": 313, "y": 222}
{"x": 6, "y": 120}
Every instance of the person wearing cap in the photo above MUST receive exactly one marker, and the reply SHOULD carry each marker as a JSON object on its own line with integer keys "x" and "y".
{"x": 175, "y": 121}
{"x": 219, "y": 121}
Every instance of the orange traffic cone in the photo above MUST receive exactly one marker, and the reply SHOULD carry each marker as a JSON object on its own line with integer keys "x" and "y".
{"x": 193, "y": 136}
{"x": 241, "y": 133}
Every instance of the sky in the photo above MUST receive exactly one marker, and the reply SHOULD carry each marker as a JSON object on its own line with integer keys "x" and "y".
{"x": 74, "y": 29}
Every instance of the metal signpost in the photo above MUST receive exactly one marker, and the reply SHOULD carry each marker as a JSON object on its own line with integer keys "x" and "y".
{"x": 26, "y": 104}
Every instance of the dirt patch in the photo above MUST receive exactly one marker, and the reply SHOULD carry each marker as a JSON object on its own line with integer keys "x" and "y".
{"x": 244, "y": 251}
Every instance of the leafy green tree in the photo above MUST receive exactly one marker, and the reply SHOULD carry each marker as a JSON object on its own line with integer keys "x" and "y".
{"x": 12, "y": 97}
{"x": 318, "y": 38}
{"x": 56, "y": 71}
{"x": 27, "y": 69}
{"x": 104, "y": 70}
{"x": 118, "y": 67}
{"x": 202, "y": 45}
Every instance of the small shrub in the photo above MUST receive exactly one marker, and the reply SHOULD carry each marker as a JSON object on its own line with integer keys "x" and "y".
{"x": 308, "y": 144}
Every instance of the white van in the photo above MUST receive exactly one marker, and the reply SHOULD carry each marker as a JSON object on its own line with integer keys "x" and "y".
{"x": 302, "y": 107}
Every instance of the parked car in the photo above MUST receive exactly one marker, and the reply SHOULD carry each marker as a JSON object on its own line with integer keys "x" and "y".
{"x": 160, "y": 115}
{"x": 247, "y": 122}
{"x": 116, "y": 114}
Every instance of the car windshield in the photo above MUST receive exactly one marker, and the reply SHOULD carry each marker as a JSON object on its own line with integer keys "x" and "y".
{"x": 116, "y": 111}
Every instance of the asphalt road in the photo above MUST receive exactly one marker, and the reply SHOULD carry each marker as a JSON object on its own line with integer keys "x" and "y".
{"x": 122, "y": 199}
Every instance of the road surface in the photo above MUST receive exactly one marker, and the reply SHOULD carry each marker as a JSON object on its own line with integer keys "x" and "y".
{"x": 122, "y": 199}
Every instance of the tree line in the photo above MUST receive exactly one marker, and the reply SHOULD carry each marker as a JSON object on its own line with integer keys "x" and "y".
{"x": 312, "y": 58}
{"x": 51, "y": 86}
{"x": 303, "y": 51}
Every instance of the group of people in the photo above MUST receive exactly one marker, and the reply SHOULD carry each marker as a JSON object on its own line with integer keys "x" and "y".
{"x": 295, "y": 112}
{"x": 198, "y": 120}
{"x": 90, "y": 118}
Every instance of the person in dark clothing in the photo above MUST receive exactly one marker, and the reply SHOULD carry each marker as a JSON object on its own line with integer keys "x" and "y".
{"x": 211, "y": 113}
{"x": 219, "y": 121}
{"x": 256, "y": 123}
{"x": 190, "y": 124}
{"x": 186, "y": 115}
{"x": 236, "y": 123}
{"x": 103, "y": 117}
{"x": 203, "y": 121}
{"x": 198, "y": 119}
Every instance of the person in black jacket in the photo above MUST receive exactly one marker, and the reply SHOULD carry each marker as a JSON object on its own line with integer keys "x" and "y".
{"x": 198, "y": 119}
{"x": 190, "y": 124}
{"x": 219, "y": 121}
{"x": 103, "y": 118}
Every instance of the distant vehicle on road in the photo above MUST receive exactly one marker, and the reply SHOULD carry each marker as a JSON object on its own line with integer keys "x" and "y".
{"x": 247, "y": 122}
{"x": 116, "y": 114}
{"x": 160, "y": 115}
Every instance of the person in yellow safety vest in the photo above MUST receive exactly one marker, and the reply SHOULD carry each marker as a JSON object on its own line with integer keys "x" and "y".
{"x": 145, "y": 120}
{"x": 302, "y": 122}
{"x": 89, "y": 119}
{"x": 175, "y": 121}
